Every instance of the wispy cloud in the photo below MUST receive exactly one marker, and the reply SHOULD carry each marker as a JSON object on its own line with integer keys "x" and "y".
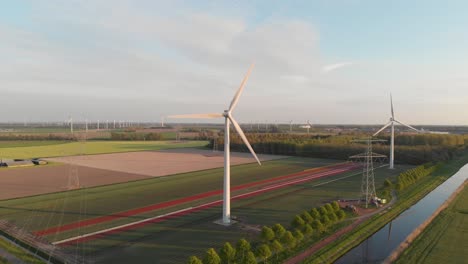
{"x": 336, "y": 66}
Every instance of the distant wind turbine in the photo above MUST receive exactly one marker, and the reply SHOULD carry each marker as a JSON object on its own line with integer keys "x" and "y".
{"x": 308, "y": 126}
{"x": 228, "y": 118}
{"x": 391, "y": 123}
{"x": 70, "y": 123}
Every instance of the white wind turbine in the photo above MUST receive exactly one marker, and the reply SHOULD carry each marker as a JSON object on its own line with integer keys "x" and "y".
{"x": 228, "y": 118}
{"x": 308, "y": 126}
{"x": 70, "y": 123}
{"x": 391, "y": 123}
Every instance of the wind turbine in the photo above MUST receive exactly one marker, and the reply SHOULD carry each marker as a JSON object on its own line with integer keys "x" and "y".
{"x": 228, "y": 118}
{"x": 70, "y": 122}
{"x": 290, "y": 126}
{"x": 308, "y": 126}
{"x": 391, "y": 123}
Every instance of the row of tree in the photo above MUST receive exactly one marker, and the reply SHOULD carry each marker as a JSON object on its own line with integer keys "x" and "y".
{"x": 135, "y": 136}
{"x": 276, "y": 241}
{"x": 32, "y": 137}
{"x": 400, "y": 140}
{"x": 438, "y": 147}
{"x": 428, "y": 139}
{"x": 411, "y": 176}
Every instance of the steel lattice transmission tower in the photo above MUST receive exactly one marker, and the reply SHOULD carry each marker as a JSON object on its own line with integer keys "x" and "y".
{"x": 368, "y": 183}
{"x": 215, "y": 143}
{"x": 73, "y": 173}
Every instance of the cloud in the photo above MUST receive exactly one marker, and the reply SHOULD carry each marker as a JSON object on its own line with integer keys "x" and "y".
{"x": 336, "y": 66}
{"x": 145, "y": 59}
{"x": 182, "y": 57}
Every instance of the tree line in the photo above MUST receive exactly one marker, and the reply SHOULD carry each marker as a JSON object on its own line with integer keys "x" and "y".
{"x": 136, "y": 136}
{"x": 34, "y": 137}
{"x": 410, "y": 151}
{"x": 277, "y": 243}
{"x": 409, "y": 178}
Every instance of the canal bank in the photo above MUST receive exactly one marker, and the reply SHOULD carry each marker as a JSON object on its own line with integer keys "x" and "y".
{"x": 411, "y": 237}
{"x": 377, "y": 247}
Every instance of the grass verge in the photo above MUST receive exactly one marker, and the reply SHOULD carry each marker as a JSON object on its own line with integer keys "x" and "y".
{"x": 18, "y": 252}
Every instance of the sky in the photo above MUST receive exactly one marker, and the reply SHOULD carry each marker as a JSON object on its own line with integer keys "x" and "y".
{"x": 327, "y": 61}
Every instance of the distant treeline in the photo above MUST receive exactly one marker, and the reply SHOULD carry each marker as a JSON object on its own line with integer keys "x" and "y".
{"x": 33, "y": 137}
{"x": 410, "y": 149}
{"x": 136, "y": 136}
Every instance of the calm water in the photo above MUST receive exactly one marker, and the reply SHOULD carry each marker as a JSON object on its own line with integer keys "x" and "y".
{"x": 380, "y": 245}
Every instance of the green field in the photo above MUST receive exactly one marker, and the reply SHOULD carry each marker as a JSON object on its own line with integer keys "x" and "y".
{"x": 173, "y": 241}
{"x": 53, "y": 209}
{"x": 32, "y": 143}
{"x": 33, "y": 149}
{"x": 445, "y": 240}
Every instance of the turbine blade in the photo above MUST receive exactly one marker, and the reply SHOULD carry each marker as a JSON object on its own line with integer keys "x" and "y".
{"x": 384, "y": 127}
{"x": 244, "y": 138}
{"x": 212, "y": 115}
{"x": 241, "y": 88}
{"x": 391, "y": 105}
{"x": 408, "y": 126}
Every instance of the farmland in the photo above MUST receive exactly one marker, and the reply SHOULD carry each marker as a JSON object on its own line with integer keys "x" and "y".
{"x": 45, "y": 211}
{"x": 173, "y": 241}
{"x": 59, "y": 149}
{"x": 104, "y": 169}
{"x": 121, "y": 188}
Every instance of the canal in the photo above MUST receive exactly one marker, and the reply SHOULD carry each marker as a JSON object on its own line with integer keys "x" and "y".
{"x": 382, "y": 243}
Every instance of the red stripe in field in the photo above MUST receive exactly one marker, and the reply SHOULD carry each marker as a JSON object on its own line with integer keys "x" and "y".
{"x": 124, "y": 214}
{"x": 162, "y": 205}
{"x": 208, "y": 205}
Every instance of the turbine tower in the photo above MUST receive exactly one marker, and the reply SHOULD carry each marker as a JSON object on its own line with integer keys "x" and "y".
{"x": 228, "y": 119}
{"x": 308, "y": 126}
{"x": 391, "y": 123}
{"x": 70, "y": 123}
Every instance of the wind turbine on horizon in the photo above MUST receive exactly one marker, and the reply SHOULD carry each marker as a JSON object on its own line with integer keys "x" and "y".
{"x": 308, "y": 126}
{"x": 70, "y": 123}
{"x": 228, "y": 119}
{"x": 391, "y": 123}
